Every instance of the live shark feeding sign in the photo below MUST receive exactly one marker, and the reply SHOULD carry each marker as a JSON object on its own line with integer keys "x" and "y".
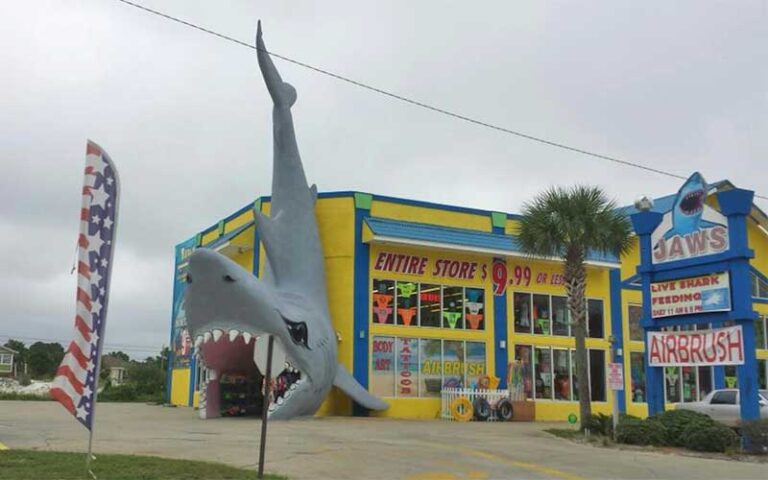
{"x": 707, "y": 293}
{"x": 691, "y": 228}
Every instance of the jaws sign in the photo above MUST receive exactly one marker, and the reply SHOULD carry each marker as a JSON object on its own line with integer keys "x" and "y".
{"x": 691, "y": 228}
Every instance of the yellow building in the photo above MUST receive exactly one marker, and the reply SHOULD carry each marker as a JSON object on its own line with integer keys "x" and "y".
{"x": 426, "y": 296}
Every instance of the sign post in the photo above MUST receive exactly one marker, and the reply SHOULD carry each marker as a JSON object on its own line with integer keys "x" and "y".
{"x": 616, "y": 383}
{"x": 694, "y": 269}
{"x": 265, "y": 410}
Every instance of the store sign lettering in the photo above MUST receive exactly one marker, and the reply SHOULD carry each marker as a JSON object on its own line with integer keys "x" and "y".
{"x": 417, "y": 265}
{"x": 708, "y": 293}
{"x": 697, "y": 244}
{"x": 405, "y": 382}
{"x": 721, "y": 346}
{"x": 434, "y": 367}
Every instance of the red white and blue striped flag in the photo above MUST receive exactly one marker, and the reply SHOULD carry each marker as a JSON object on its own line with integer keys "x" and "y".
{"x": 76, "y": 379}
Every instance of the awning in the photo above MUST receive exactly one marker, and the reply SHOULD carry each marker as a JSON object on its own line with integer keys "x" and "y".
{"x": 387, "y": 231}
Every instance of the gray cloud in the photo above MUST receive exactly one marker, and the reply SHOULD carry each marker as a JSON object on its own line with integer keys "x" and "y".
{"x": 185, "y": 116}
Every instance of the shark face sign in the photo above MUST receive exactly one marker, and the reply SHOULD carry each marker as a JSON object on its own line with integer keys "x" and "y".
{"x": 691, "y": 228}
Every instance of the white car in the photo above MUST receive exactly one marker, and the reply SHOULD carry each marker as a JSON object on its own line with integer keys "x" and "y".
{"x": 723, "y": 406}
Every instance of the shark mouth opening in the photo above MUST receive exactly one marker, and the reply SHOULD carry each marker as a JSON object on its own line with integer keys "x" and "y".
{"x": 693, "y": 202}
{"x": 232, "y": 352}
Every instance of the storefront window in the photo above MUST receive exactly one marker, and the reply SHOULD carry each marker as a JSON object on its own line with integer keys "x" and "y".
{"x": 429, "y": 305}
{"x": 575, "y": 376}
{"x": 453, "y": 307}
{"x": 523, "y": 355}
{"x": 541, "y": 316}
{"x": 762, "y": 374}
{"x": 453, "y": 364}
{"x": 672, "y": 384}
{"x": 635, "y": 313}
{"x": 705, "y": 381}
{"x": 689, "y": 384}
{"x": 760, "y": 332}
{"x": 560, "y": 316}
{"x": 383, "y": 366}
{"x": 562, "y": 369}
{"x": 431, "y": 367}
{"x": 543, "y": 369}
{"x": 637, "y": 372}
{"x": 597, "y": 375}
{"x": 407, "y": 303}
{"x": 595, "y": 318}
{"x": 407, "y": 367}
{"x": 475, "y": 362}
{"x": 522, "y": 307}
{"x": 474, "y": 308}
{"x": 383, "y": 301}
{"x": 731, "y": 378}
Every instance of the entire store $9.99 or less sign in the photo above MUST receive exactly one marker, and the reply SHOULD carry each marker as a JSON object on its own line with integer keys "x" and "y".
{"x": 499, "y": 272}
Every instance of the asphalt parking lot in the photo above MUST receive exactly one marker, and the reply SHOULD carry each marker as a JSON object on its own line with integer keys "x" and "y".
{"x": 352, "y": 448}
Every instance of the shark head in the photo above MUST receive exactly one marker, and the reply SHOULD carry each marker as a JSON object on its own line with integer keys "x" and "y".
{"x": 227, "y": 307}
{"x": 688, "y": 206}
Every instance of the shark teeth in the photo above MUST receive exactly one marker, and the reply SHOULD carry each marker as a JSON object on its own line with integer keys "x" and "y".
{"x": 198, "y": 341}
{"x": 206, "y": 337}
{"x": 217, "y": 335}
{"x": 247, "y": 337}
{"x": 233, "y": 335}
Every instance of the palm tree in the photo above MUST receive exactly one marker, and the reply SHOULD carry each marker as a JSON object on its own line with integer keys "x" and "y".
{"x": 568, "y": 223}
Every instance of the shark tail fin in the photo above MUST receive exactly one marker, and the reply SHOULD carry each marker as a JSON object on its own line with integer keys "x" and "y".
{"x": 356, "y": 392}
{"x": 265, "y": 227}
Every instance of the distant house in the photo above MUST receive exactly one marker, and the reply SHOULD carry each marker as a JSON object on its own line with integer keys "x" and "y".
{"x": 116, "y": 367}
{"x": 6, "y": 361}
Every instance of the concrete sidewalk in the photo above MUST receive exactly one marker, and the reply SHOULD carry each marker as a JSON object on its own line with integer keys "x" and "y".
{"x": 352, "y": 448}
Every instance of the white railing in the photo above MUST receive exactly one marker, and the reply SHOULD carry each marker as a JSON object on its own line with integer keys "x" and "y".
{"x": 448, "y": 395}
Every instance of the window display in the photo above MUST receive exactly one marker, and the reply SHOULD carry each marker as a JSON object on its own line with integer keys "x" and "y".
{"x": 383, "y": 366}
{"x": 762, "y": 374}
{"x": 541, "y": 318}
{"x": 383, "y": 306}
{"x": 453, "y": 307}
{"x": 413, "y": 367}
{"x": 561, "y": 317}
{"x": 637, "y": 372}
{"x": 522, "y": 308}
{"x": 407, "y": 302}
{"x": 561, "y": 363}
{"x": 760, "y": 336}
{"x": 407, "y": 363}
{"x": 430, "y": 303}
{"x": 542, "y": 361}
{"x": 595, "y": 318}
{"x": 524, "y": 356}
{"x": 413, "y": 304}
{"x": 635, "y": 314}
{"x": 672, "y": 384}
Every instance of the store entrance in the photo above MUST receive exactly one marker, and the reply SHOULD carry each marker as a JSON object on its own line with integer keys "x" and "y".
{"x": 240, "y": 395}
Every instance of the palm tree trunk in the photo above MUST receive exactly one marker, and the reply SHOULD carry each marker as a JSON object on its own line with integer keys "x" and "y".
{"x": 575, "y": 278}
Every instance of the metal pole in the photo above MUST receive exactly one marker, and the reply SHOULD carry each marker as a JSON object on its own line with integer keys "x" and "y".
{"x": 265, "y": 409}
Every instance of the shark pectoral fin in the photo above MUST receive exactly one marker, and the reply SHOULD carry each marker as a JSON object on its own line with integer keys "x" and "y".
{"x": 356, "y": 392}
{"x": 313, "y": 192}
{"x": 708, "y": 224}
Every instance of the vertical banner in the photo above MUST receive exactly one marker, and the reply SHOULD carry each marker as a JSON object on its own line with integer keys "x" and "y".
{"x": 76, "y": 379}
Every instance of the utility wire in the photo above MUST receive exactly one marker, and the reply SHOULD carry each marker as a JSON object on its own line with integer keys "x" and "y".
{"x": 395, "y": 96}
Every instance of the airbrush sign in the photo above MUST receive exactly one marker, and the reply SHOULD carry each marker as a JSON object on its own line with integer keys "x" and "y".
{"x": 691, "y": 228}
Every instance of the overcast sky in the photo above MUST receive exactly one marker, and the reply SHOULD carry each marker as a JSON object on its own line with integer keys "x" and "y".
{"x": 186, "y": 118}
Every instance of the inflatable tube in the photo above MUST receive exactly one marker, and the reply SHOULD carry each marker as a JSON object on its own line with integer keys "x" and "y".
{"x": 461, "y": 409}
{"x": 482, "y": 409}
{"x": 504, "y": 410}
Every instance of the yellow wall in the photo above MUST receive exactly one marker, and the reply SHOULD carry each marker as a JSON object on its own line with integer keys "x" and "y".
{"x": 411, "y": 213}
{"x": 180, "y": 386}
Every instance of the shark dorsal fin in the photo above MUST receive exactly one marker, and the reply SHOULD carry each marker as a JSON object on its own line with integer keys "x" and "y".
{"x": 313, "y": 192}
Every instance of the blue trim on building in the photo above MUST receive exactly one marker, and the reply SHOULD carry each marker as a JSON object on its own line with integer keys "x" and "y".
{"x": 617, "y": 332}
{"x": 229, "y": 236}
{"x": 500, "y": 328}
{"x": 496, "y": 240}
{"x": 170, "y": 359}
{"x": 360, "y": 308}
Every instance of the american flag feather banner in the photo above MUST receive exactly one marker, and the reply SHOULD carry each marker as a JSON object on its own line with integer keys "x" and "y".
{"x": 76, "y": 379}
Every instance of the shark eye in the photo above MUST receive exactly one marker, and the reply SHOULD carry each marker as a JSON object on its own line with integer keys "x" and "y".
{"x": 188, "y": 278}
{"x": 228, "y": 278}
{"x": 298, "y": 332}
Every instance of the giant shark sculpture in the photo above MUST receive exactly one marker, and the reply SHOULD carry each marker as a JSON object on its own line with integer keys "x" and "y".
{"x": 226, "y": 306}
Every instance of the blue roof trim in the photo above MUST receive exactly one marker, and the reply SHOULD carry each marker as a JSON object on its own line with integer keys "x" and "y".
{"x": 228, "y": 236}
{"x": 456, "y": 236}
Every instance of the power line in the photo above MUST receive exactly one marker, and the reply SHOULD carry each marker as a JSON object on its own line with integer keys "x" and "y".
{"x": 417, "y": 103}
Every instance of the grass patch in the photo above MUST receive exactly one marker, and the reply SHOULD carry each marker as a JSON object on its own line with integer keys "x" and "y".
{"x": 24, "y": 396}
{"x": 34, "y": 465}
{"x": 567, "y": 433}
